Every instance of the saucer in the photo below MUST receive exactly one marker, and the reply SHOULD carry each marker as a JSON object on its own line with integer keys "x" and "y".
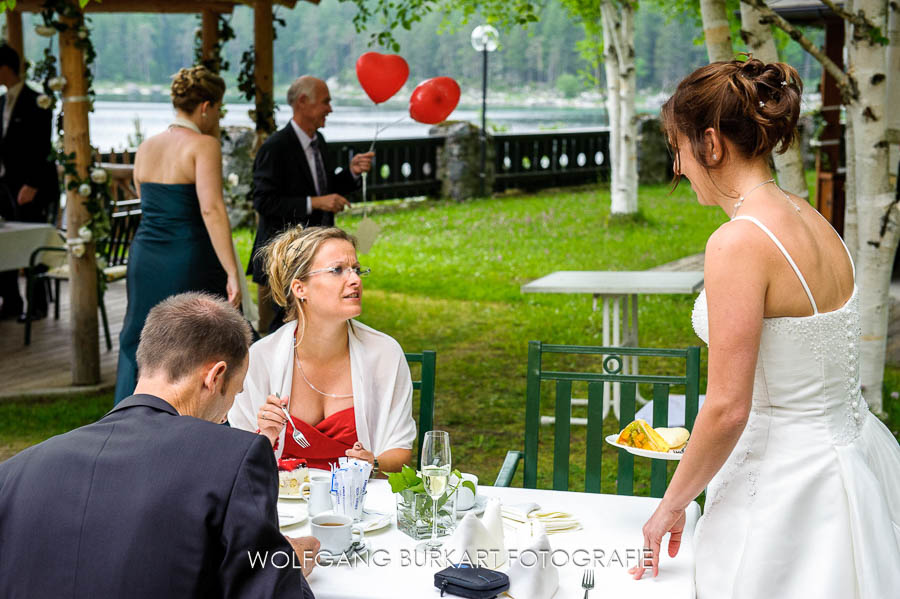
{"x": 357, "y": 550}
{"x": 477, "y": 508}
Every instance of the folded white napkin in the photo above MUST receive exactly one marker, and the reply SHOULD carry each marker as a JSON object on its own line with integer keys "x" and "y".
{"x": 528, "y": 513}
{"x": 533, "y": 575}
{"x": 479, "y": 542}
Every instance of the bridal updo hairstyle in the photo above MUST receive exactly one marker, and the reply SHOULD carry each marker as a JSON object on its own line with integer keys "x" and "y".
{"x": 290, "y": 256}
{"x": 195, "y": 85}
{"x": 752, "y": 104}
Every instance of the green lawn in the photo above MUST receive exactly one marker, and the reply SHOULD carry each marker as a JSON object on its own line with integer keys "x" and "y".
{"x": 446, "y": 277}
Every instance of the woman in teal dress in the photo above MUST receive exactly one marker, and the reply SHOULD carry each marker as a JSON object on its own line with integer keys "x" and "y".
{"x": 184, "y": 240}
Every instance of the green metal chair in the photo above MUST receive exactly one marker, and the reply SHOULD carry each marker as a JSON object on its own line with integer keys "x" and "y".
{"x": 425, "y": 386}
{"x": 612, "y": 373}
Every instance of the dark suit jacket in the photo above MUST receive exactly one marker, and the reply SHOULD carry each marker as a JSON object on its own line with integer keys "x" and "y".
{"x": 143, "y": 503}
{"x": 25, "y": 151}
{"x": 282, "y": 180}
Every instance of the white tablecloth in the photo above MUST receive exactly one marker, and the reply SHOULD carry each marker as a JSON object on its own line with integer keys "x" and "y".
{"x": 18, "y": 240}
{"x": 611, "y": 525}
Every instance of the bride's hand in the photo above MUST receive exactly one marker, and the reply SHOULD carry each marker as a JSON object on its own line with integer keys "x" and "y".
{"x": 664, "y": 520}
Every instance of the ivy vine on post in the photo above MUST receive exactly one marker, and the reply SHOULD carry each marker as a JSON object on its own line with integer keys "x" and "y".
{"x": 224, "y": 34}
{"x": 264, "y": 113}
{"x": 95, "y": 187}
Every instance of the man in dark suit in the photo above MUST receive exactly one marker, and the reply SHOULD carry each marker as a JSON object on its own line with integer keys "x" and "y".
{"x": 29, "y": 185}
{"x": 157, "y": 498}
{"x": 293, "y": 181}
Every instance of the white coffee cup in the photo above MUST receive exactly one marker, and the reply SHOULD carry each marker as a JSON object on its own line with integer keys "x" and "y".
{"x": 335, "y": 532}
{"x": 465, "y": 498}
{"x": 319, "y": 493}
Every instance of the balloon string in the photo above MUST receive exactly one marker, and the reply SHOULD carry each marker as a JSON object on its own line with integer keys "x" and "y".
{"x": 372, "y": 149}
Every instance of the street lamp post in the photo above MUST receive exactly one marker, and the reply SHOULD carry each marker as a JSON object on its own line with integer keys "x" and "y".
{"x": 484, "y": 39}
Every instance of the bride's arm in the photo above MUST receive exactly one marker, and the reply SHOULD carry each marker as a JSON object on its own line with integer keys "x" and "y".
{"x": 736, "y": 280}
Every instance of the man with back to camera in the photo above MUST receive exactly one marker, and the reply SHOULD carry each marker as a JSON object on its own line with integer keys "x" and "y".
{"x": 155, "y": 499}
{"x": 29, "y": 183}
{"x": 294, "y": 182}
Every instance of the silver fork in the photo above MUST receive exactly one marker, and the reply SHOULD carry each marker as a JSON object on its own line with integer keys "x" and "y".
{"x": 587, "y": 582}
{"x": 299, "y": 437}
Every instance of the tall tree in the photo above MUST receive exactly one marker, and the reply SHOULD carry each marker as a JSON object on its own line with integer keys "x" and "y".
{"x": 756, "y": 32}
{"x": 716, "y": 30}
{"x": 870, "y": 198}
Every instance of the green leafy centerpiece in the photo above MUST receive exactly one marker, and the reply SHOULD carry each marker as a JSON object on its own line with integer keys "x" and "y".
{"x": 414, "y": 506}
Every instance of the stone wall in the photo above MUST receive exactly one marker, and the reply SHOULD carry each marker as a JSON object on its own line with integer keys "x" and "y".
{"x": 459, "y": 161}
{"x": 237, "y": 173}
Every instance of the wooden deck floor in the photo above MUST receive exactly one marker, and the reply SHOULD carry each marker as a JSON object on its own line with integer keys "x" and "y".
{"x": 44, "y": 367}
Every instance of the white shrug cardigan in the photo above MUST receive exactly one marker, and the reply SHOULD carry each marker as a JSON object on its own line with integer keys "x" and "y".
{"x": 382, "y": 386}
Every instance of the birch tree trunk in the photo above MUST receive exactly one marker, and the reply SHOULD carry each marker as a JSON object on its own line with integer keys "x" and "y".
{"x": 893, "y": 70}
{"x": 611, "y": 67}
{"x": 618, "y": 37}
{"x": 851, "y": 215}
{"x": 879, "y": 219}
{"x": 758, "y": 37}
{"x": 716, "y": 30}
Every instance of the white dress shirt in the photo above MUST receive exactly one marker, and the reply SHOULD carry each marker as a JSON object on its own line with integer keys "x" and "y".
{"x": 306, "y": 142}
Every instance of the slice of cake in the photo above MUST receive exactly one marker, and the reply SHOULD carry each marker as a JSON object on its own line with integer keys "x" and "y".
{"x": 292, "y": 473}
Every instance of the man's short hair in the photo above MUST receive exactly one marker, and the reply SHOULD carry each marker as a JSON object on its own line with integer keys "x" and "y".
{"x": 9, "y": 58}
{"x": 187, "y": 331}
{"x": 305, "y": 85}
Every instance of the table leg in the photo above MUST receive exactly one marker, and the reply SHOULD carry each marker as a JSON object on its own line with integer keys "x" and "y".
{"x": 606, "y": 388}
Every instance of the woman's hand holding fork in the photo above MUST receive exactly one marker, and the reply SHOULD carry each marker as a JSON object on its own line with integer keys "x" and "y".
{"x": 270, "y": 418}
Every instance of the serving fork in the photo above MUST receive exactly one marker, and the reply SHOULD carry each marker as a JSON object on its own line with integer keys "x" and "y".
{"x": 299, "y": 437}
{"x": 587, "y": 582}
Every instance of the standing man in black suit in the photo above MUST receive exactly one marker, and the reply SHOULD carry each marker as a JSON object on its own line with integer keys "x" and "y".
{"x": 29, "y": 184}
{"x": 293, "y": 182}
{"x": 157, "y": 498}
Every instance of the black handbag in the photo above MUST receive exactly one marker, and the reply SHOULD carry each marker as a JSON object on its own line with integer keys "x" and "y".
{"x": 474, "y": 583}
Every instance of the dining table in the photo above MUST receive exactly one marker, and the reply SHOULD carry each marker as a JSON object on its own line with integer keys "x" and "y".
{"x": 18, "y": 239}
{"x": 608, "y": 542}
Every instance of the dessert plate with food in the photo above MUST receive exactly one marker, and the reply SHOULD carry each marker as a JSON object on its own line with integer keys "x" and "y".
{"x": 641, "y": 439}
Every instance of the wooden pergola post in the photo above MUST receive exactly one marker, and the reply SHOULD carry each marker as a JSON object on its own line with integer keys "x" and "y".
{"x": 14, "y": 35}
{"x": 83, "y": 270}
{"x": 210, "y": 35}
{"x": 263, "y": 49}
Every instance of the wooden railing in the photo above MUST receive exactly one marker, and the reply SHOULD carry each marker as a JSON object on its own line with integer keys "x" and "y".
{"x": 408, "y": 167}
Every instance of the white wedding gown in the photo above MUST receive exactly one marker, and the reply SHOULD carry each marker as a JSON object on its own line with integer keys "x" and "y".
{"x": 808, "y": 503}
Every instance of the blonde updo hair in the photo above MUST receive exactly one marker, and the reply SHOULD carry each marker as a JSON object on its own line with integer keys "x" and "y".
{"x": 195, "y": 85}
{"x": 290, "y": 255}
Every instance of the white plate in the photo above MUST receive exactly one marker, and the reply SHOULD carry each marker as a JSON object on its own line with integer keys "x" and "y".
{"x": 673, "y": 454}
{"x": 301, "y": 497}
{"x": 375, "y": 520}
{"x": 477, "y": 508}
{"x": 289, "y": 516}
{"x": 356, "y": 551}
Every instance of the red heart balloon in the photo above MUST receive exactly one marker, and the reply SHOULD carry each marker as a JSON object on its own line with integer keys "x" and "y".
{"x": 381, "y": 75}
{"x": 433, "y": 100}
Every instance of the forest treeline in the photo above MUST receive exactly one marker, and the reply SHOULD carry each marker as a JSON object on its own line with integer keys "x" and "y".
{"x": 320, "y": 39}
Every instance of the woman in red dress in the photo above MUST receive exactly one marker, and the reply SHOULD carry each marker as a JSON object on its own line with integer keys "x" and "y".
{"x": 345, "y": 386}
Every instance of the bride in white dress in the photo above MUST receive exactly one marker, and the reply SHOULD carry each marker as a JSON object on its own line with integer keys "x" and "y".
{"x": 803, "y": 496}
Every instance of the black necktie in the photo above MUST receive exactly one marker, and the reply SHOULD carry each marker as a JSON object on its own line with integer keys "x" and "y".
{"x": 320, "y": 166}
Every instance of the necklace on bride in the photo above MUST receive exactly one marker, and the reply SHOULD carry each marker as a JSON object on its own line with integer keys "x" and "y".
{"x": 185, "y": 124}
{"x": 741, "y": 199}
{"x": 313, "y": 387}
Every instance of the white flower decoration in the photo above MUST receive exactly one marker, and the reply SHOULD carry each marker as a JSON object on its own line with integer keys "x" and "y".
{"x": 233, "y": 179}
{"x": 84, "y": 190}
{"x": 57, "y": 83}
{"x": 77, "y": 249}
{"x": 44, "y": 101}
{"x": 82, "y": 33}
{"x": 98, "y": 175}
{"x": 45, "y": 30}
{"x": 85, "y": 233}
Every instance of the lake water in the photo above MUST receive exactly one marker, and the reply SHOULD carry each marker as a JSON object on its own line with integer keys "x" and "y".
{"x": 112, "y": 122}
